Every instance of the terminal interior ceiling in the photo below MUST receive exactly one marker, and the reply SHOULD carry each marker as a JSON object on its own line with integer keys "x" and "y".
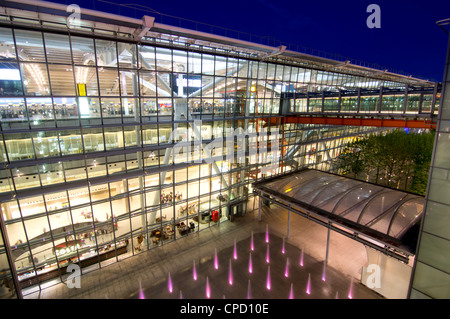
{"x": 112, "y": 146}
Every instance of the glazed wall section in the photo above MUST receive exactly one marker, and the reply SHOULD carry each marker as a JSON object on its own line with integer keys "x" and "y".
{"x": 89, "y": 131}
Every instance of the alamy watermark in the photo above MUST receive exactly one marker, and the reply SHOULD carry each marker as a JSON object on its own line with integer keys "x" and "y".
{"x": 74, "y": 18}
{"x": 74, "y": 279}
{"x": 237, "y": 146}
{"x": 374, "y": 19}
{"x": 374, "y": 279}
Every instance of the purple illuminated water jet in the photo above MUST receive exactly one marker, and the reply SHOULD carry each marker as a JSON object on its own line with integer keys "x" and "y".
{"x": 291, "y": 292}
{"x": 350, "y": 290}
{"x": 268, "y": 283}
{"x": 324, "y": 272}
{"x": 283, "y": 247}
{"x": 252, "y": 245}
{"x": 169, "y": 284}
{"x": 230, "y": 274}
{"x": 308, "y": 285}
{"x": 141, "y": 292}
{"x": 194, "y": 271}
{"x": 181, "y": 295}
{"x": 250, "y": 263}
{"x": 267, "y": 255}
{"x": 249, "y": 290}
{"x": 235, "y": 250}
{"x": 216, "y": 259}
{"x": 208, "y": 289}
{"x": 286, "y": 269}
{"x": 267, "y": 233}
{"x": 301, "y": 259}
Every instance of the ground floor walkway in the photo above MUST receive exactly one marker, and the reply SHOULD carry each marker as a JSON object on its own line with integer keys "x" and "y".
{"x": 168, "y": 271}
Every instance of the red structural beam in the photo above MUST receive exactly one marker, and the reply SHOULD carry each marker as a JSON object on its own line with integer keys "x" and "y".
{"x": 381, "y": 122}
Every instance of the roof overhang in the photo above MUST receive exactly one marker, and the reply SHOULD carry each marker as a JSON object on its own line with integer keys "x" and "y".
{"x": 139, "y": 29}
{"x": 379, "y": 217}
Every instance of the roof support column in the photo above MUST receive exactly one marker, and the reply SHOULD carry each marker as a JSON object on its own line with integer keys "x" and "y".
{"x": 259, "y": 207}
{"x": 328, "y": 242}
{"x": 289, "y": 222}
{"x": 9, "y": 257}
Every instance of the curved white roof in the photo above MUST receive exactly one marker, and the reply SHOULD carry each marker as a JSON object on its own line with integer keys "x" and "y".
{"x": 382, "y": 211}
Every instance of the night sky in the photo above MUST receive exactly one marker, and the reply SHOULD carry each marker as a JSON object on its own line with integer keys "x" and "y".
{"x": 409, "y": 41}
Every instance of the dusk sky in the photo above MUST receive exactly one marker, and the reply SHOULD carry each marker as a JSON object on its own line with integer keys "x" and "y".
{"x": 408, "y": 40}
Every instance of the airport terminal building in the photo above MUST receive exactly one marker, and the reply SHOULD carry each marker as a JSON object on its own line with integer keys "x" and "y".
{"x": 120, "y": 134}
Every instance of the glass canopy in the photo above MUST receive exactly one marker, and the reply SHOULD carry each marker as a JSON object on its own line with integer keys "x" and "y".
{"x": 386, "y": 212}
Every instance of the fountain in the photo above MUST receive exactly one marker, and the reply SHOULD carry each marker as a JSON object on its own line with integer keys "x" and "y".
{"x": 324, "y": 271}
{"x": 208, "y": 289}
{"x": 230, "y": 274}
{"x": 308, "y": 285}
{"x": 252, "y": 245}
{"x": 268, "y": 283}
{"x": 169, "y": 283}
{"x": 267, "y": 254}
{"x": 286, "y": 269}
{"x": 301, "y": 259}
{"x": 235, "y": 250}
{"x": 267, "y": 233}
{"x": 291, "y": 292}
{"x": 283, "y": 247}
{"x": 141, "y": 292}
{"x": 216, "y": 259}
{"x": 249, "y": 290}
{"x": 194, "y": 271}
{"x": 350, "y": 290}
{"x": 250, "y": 263}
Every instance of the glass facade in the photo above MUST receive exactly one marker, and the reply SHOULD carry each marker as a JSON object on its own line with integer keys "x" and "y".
{"x": 431, "y": 276}
{"x": 107, "y": 142}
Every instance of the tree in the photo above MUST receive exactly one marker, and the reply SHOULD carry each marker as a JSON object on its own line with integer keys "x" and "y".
{"x": 399, "y": 159}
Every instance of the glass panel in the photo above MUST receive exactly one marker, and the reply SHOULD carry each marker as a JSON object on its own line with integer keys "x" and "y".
{"x": 83, "y": 50}
{"x": 106, "y": 53}
{"x": 10, "y": 79}
{"x": 51, "y": 173}
{"x": 109, "y": 81}
{"x": 369, "y": 104}
{"x": 413, "y": 103}
{"x": 29, "y": 45}
{"x": 127, "y": 55}
{"x": 8, "y": 51}
{"x": 431, "y": 251}
{"x": 113, "y": 138}
{"x": 88, "y": 77}
{"x": 93, "y": 140}
{"x": 70, "y": 142}
{"x": 57, "y": 47}
{"x": 147, "y": 81}
{"x": 111, "y": 107}
{"x": 35, "y": 79}
{"x": 440, "y": 186}
{"x": 13, "y": 113}
{"x": 62, "y": 81}
{"x": 19, "y": 146}
{"x": 431, "y": 281}
{"x": 46, "y": 144}
{"x": 146, "y": 57}
{"x": 163, "y": 59}
{"x": 65, "y": 108}
{"x": 442, "y": 156}
{"x": 208, "y": 64}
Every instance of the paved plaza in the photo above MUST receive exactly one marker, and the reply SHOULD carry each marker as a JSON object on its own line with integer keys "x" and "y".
{"x": 186, "y": 268}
